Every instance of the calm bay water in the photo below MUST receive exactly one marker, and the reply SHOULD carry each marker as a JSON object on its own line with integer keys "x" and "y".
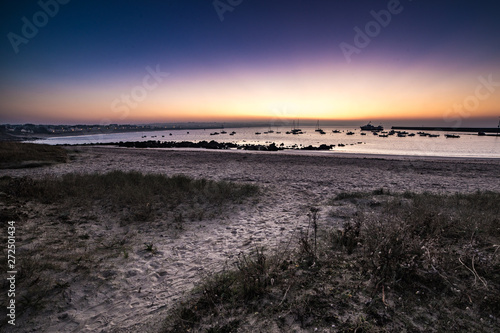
{"x": 468, "y": 145}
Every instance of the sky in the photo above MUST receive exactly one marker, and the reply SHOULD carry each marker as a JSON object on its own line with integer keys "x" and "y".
{"x": 75, "y": 61}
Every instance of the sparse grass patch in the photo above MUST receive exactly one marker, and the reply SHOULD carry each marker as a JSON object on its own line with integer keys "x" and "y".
{"x": 23, "y": 155}
{"x": 149, "y": 247}
{"x": 145, "y": 197}
{"x": 435, "y": 239}
{"x": 416, "y": 262}
{"x": 353, "y": 196}
{"x": 349, "y": 195}
{"x": 217, "y": 303}
{"x": 78, "y": 224}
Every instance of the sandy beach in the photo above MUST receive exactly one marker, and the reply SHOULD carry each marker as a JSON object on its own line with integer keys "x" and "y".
{"x": 131, "y": 294}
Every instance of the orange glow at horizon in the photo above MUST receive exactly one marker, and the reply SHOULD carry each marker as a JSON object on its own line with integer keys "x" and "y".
{"x": 321, "y": 92}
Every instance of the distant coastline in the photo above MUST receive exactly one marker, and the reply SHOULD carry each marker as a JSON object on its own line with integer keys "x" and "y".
{"x": 31, "y": 132}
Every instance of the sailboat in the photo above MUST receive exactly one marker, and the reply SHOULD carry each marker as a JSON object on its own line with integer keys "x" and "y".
{"x": 318, "y": 129}
{"x": 296, "y": 130}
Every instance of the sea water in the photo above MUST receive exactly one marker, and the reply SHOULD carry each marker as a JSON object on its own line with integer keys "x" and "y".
{"x": 468, "y": 145}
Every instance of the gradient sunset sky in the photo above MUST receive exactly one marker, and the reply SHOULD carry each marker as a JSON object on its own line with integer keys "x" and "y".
{"x": 232, "y": 60}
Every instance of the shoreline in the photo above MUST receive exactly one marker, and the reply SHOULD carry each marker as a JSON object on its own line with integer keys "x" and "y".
{"x": 236, "y": 165}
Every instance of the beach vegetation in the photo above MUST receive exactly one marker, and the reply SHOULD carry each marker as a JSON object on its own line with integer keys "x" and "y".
{"x": 75, "y": 227}
{"x": 133, "y": 195}
{"x": 419, "y": 262}
{"x": 353, "y": 196}
{"x": 149, "y": 247}
{"x": 14, "y": 155}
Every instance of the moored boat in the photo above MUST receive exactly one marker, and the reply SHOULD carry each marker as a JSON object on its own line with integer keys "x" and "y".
{"x": 318, "y": 129}
{"x": 370, "y": 127}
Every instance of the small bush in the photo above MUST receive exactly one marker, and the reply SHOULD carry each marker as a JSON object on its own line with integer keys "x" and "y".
{"x": 253, "y": 274}
{"x": 348, "y": 236}
{"x": 434, "y": 239}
